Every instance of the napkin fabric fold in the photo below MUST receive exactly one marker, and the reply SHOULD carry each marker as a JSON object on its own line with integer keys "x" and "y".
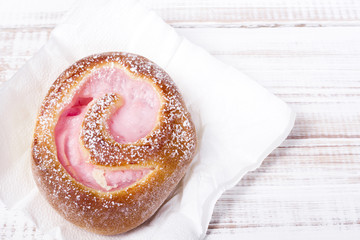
{"x": 238, "y": 122}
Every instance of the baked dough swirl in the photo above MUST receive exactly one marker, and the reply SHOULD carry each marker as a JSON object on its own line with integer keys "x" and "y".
{"x": 99, "y": 168}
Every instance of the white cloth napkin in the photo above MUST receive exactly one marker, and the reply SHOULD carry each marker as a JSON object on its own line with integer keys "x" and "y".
{"x": 238, "y": 122}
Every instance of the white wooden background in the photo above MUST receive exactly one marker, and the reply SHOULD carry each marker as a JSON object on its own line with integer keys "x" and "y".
{"x": 307, "y": 52}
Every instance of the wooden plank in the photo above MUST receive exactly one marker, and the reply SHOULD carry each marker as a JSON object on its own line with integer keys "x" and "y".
{"x": 201, "y": 13}
{"x": 306, "y": 184}
{"x": 258, "y": 13}
{"x": 302, "y": 184}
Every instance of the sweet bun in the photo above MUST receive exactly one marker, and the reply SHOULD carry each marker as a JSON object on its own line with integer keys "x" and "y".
{"x": 112, "y": 140}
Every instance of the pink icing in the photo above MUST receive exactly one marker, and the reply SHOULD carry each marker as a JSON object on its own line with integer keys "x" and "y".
{"x": 133, "y": 120}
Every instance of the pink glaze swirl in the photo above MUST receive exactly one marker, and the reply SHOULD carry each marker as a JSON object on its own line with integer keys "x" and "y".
{"x": 134, "y": 120}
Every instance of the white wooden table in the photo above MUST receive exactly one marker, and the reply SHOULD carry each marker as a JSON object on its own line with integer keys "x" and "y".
{"x": 307, "y": 53}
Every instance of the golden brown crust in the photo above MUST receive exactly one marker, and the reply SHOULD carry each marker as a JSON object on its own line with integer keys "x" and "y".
{"x": 168, "y": 149}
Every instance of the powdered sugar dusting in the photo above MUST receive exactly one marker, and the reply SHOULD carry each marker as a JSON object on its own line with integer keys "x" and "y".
{"x": 168, "y": 149}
